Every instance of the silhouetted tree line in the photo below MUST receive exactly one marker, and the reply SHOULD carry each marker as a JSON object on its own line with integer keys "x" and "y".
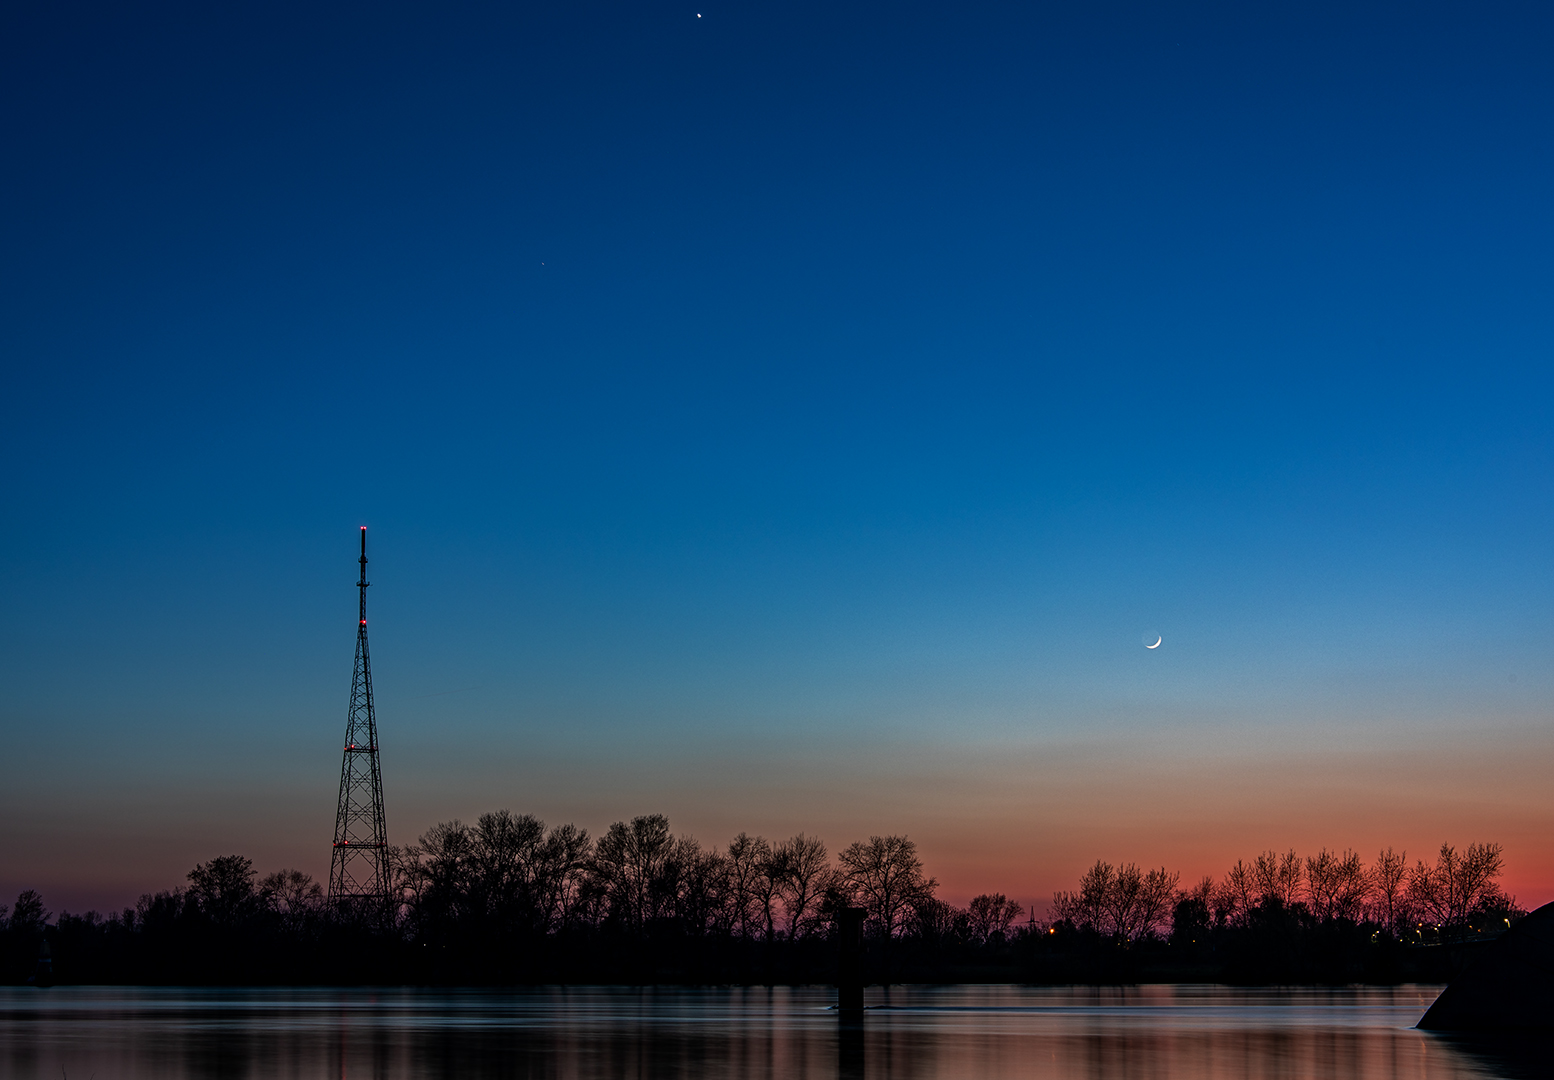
{"x": 1280, "y": 917}
{"x": 508, "y": 900}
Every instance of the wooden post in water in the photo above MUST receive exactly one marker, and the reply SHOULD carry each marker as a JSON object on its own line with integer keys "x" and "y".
{"x": 849, "y": 963}
{"x": 849, "y": 993}
{"x": 44, "y": 976}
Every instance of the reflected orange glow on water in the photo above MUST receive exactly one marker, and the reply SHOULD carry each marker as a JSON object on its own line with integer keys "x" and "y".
{"x": 1158, "y": 1032}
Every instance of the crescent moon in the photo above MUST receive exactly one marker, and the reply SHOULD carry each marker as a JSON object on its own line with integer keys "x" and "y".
{"x": 1156, "y": 645}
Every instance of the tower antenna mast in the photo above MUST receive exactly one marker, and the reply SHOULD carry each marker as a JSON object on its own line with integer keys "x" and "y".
{"x": 359, "y": 870}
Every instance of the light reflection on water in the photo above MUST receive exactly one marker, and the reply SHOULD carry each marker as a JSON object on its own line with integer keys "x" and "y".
{"x": 1155, "y": 1032}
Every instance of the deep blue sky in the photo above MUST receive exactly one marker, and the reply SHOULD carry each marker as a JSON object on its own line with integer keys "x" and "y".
{"x": 788, "y": 417}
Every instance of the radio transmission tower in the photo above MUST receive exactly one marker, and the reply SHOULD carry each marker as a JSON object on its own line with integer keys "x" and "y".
{"x": 359, "y": 871}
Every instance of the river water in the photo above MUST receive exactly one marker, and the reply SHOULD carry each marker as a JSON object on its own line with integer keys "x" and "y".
{"x": 579, "y": 1033}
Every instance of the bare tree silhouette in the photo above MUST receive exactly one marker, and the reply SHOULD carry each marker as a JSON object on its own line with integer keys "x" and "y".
{"x": 806, "y": 874}
{"x": 886, "y": 876}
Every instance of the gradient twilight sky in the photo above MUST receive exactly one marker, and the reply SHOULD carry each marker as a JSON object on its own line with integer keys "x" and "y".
{"x": 791, "y": 417}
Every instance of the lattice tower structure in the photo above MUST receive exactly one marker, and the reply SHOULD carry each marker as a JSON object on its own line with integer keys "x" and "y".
{"x": 359, "y": 870}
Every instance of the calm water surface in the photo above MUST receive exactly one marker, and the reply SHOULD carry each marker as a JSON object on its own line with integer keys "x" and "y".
{"x": 77, "y": 1033}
